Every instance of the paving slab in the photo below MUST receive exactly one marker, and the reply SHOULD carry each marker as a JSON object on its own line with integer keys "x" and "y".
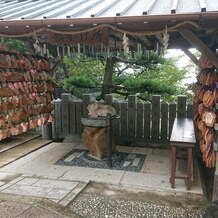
{"x": 124, "y": 149}
{"x": 27, "y": 190}
{"x": 27, "y": 181}
{"x": 93, "y": 174}
{"x": 156, "y": 164}
{"x": 48, "y": 183}
{"x": 146, "y": 181}
{"x": 138, "y": 150}
{"x": 57, "y": 193}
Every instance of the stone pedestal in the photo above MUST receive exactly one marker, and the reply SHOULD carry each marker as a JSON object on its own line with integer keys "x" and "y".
{"x": 95, "y": 139}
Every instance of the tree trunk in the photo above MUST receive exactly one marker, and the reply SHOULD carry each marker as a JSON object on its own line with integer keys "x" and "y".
{"x": 107, "y": 83}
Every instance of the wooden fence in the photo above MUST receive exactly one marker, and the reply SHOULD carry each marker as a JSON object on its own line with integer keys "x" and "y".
{"x": 147, "y": 122}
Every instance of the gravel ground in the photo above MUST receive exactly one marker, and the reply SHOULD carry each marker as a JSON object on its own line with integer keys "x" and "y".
{"x": 96, "y": 206}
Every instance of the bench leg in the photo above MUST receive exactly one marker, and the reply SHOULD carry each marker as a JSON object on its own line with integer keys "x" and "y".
{"x": 173, "y": 166}
{"x": 189, "y": 168}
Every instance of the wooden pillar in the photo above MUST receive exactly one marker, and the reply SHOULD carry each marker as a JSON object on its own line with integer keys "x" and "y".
{"x": 47, "y": 131}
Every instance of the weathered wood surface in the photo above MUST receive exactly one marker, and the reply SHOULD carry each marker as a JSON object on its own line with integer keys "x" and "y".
{"x": 147, "y": 122}
{"x": 95, "y": 139}
{"x": 183, "y": 131}
{"x": 155, "y": 126}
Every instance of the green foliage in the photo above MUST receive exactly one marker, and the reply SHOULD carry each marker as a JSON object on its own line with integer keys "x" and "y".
{"x": 80, "y": 81}
{"x": 82, "y": 74}
{"x": 149, "y": 75}
{"x": 15, "y": 45}
{"x": 141, "y": 75}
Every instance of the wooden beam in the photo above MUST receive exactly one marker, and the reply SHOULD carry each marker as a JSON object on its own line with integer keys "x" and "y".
{"x": 174, "y": 6}
{"x": 203, "y": 5}
{"x": 198, "y": 44}
{"x": 192, "y": 57}
{"x": 149, "y": 7}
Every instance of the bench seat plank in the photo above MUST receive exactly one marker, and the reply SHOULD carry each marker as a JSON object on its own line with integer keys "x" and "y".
{"x": 183, "y": 131}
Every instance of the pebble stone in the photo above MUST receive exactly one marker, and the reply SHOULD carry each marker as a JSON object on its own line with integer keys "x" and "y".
{"x": 95, "y": 206}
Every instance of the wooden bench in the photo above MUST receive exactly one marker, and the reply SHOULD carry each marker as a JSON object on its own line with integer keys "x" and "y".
{"x": 183, "y": 136}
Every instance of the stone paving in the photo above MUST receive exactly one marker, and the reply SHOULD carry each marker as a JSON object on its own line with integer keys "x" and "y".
{"x": 41, "y": 164}
{"x": 58, "y": 191}
{"x": 37, "y": 175}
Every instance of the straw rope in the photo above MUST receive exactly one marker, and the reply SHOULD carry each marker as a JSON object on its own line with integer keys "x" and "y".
{"x": 169, "y": 29}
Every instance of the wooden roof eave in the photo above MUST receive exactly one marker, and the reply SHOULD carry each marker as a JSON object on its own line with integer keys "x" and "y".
{"x": 88, "y": 22}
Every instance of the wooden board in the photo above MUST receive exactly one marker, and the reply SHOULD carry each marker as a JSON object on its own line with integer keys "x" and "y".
{"x": 155, "y": 131}
{"x": 147, "y": 120}
{"x": 139, "y": 120}
{"x": 164, "y": 120}
{"x": 131, "y": 115}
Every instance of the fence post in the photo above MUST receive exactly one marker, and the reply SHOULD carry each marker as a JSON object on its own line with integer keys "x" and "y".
{"x": 131, "y": 115}
{"x": 181, "y": 106}
{"x": 86, "y": 100}
{"x": 58, "y": 120}
{"x": 65, "y": 97}
{"x": 72, "y": 105}
{"x": 139, "y": 120}
{"x": 79, "y": 107}
{"x": 155, "y": 117}
{"x": 172, "y": 115}
{"x": 190, "y": 110}
{"x": 116, "y": 125}
{"x": 47, "y": 131}
{"x": 147, "y": 120}
{"x": 108, "y": 99}
{"x": 123, "y": 118}
{"x": 164, "y": 120}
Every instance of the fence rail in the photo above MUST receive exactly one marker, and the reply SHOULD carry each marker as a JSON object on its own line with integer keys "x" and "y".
{"x": 147, "y": 122}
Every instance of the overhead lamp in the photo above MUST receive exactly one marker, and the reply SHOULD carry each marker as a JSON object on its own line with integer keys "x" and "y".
{"x": 95, "y": 24}
{"x": 145, "y": 22}
{"x": 119, "y": 23}
{"x": 6, "y": 27}
{"x": 71, "y": 25}
{"x": 48, "y": 25}
{"x": 27, "y": 26}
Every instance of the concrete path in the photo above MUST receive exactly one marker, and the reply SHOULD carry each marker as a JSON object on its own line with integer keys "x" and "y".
{"x": 37, "y": 176}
